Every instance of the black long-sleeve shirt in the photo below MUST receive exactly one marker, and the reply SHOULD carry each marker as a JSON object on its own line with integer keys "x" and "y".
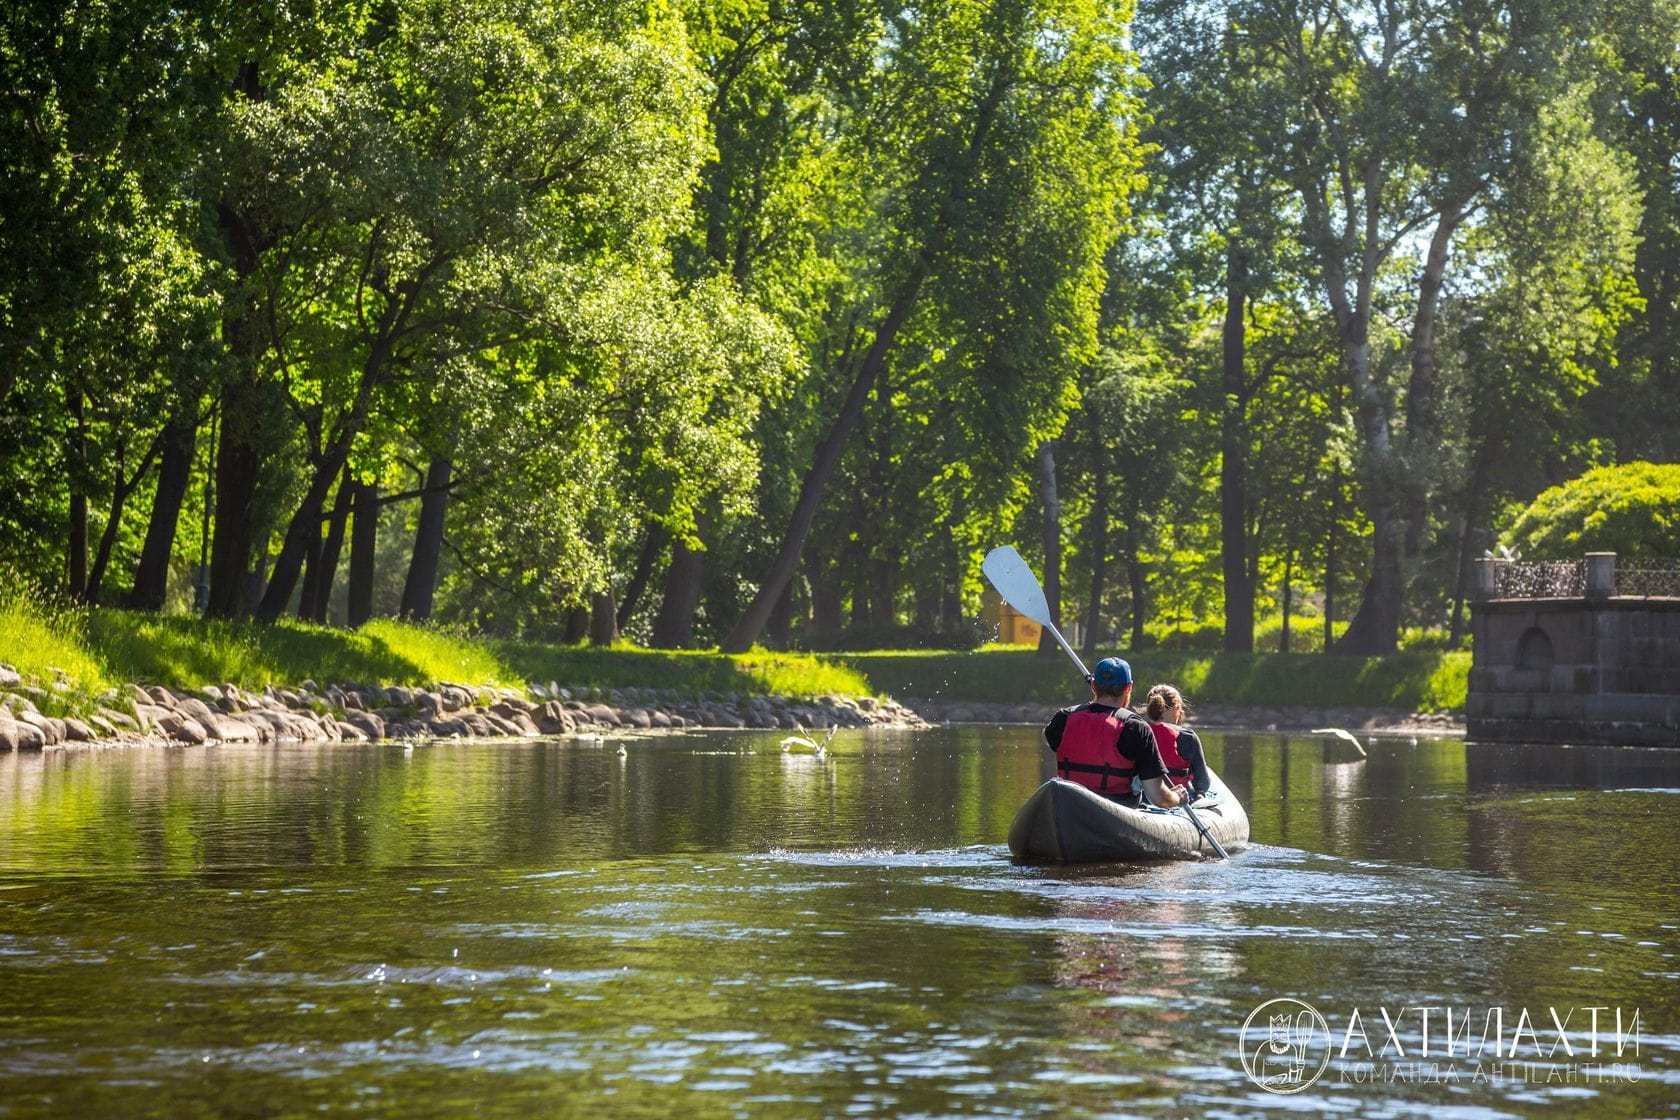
{"x": 1190, "y": 749}
{"x": 1135, "y": 742}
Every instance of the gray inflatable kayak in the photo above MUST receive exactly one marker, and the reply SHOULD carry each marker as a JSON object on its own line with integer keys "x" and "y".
{"x": 1067, "y": 823}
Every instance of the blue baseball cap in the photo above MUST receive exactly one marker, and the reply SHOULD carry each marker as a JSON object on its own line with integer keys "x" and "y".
{"x": 1112, "y": 674}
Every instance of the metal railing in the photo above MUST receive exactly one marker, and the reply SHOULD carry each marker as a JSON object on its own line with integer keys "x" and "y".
{"x": 1540, "y": 579}
{"x": 1648, "y": 579}
{"x": 1599, "y": 575}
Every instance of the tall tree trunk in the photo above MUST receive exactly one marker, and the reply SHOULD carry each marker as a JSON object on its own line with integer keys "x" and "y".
{"x": 76, "y": 560}
{"x": 241, "y": 449}
{"x": 1096, "y": 533}
{"x": 1233, "y": 458}
{"x": 1397, "y": 499}
{"x": 577, "y": 626}
{"x": 603, "y": 619}
{"x": 121, "y": 488}
{"x": 364, "y": 543}
{"x": 885, "y": 572}
{"x": 1466, "y": 541}
{"x": 1140, "y": 589}
{"x": 1051, "y": 503}
{"x": 652, "y": 545}
{"x": 1330, "y": 573}
{"x": 304, "y": 527}
{"x": 827, "y": 600}
{"x": 673, "y": 626}
{"x": 310, "y": 591}
{"x": 151, "y": 577}
{"x": 751, "y": 623}
{"x": 1288, "y": 598}
{"x": 316, "y": 610}
{"x": 780, "y": 627}
{"x": 859, "y": 571}
{"x": 1422, "y": 392}
{"x": 420, "y": 587}
{"x": 239, "y": 460}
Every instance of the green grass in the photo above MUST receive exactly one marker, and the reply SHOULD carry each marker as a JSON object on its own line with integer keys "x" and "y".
{"x": 101, "y": 649}
{"x": 1418, "y": 681}
{"x": 105, "y": 648}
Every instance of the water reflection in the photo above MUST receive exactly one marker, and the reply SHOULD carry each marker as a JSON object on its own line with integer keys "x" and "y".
{"x": 708, "y": 924}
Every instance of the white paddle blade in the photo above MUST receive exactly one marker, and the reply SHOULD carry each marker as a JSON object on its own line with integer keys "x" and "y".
{"x": 1016, "y": 583}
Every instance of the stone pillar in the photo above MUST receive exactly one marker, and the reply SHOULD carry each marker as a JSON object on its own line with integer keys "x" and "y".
{"x": 1486, "y": 583}
{"x": 1601, "y": 575}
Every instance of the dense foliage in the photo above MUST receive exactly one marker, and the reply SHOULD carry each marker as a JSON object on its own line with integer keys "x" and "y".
{"x": 726, "y": 322}
{"x": 1632, "y": 509}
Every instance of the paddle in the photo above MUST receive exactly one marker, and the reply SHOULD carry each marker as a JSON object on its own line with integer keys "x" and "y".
{"x": 1019, "y": 588}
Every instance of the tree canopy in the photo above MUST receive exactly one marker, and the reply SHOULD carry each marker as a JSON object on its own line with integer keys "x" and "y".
{"x": 759, "y": 322}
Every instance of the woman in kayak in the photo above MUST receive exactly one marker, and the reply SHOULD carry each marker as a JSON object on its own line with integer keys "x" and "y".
{"x": 1181, "y": 750}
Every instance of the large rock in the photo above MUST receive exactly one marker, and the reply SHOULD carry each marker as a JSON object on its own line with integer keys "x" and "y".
{"x": 161, "y": 696}
{"x": 52, "y": 730}
{"x": 151, "y": 715}
{"x": 21, "y": 736}
{"x": 228, "y": 729}
{"x": 9, "y": 677}
{"x": 447, "y": 727}
{"x": 75, "y": 731}
{"x": 370, "y": 725}
{"x": 457, "y": 697}
{"x": 183, "y": 729}
{"x": 554, "y": 719}
{"x": 638, "y": 717}
{"x": 195, "y": 708}
{"x": 350, "y": 733}
{"x": 601, "y": 713}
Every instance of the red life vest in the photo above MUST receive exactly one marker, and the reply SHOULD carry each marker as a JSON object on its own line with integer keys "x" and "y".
{"x": 1166, "y": 738}
{"x": 1089, "y": 754}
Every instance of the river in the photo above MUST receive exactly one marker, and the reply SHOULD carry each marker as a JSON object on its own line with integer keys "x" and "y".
{"x": 706, "y": 926}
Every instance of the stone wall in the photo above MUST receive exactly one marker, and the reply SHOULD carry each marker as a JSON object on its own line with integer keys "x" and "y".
{"x": 1592, "y": 668}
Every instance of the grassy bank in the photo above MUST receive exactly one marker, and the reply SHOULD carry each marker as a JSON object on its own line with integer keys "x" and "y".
{"x": 101, "y": 649}
{"x": 1423, "y": 681}
{"x": 96, "y": 650}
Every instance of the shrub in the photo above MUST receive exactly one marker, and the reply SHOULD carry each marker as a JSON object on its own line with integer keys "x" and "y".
{"x": 1632, "y": 509}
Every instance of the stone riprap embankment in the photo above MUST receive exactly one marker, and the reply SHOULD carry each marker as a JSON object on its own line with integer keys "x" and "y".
{"x": 1215, "y": 717}
{"x": 354, "y": 713}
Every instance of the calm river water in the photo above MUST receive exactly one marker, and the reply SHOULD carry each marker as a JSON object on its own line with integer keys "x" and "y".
{"x": 708, "y": 927}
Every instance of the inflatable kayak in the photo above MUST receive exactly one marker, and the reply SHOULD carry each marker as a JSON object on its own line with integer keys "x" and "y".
{"x": 1067, "y": 823}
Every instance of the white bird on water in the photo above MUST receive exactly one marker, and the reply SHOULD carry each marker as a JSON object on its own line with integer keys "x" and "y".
{"x": 1343, "y": 735}
{"x": 819, "y": 749}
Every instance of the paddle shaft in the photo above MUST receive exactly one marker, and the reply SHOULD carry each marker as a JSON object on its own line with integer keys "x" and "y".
{"x": 1206, "y": 835}
{"x": 1086, "y": 675}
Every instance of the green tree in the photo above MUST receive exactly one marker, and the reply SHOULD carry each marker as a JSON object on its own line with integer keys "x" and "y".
{"x": 996, "y": 143}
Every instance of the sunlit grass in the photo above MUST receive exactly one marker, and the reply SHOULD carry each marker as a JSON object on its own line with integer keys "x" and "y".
{"x": 1424, "y": 681}
{"x": 93, "y": 651}
{"x": 41, "y": 639}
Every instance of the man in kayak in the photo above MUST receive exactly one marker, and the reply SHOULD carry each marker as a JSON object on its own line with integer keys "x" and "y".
{"x": 1105, "y": 746}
